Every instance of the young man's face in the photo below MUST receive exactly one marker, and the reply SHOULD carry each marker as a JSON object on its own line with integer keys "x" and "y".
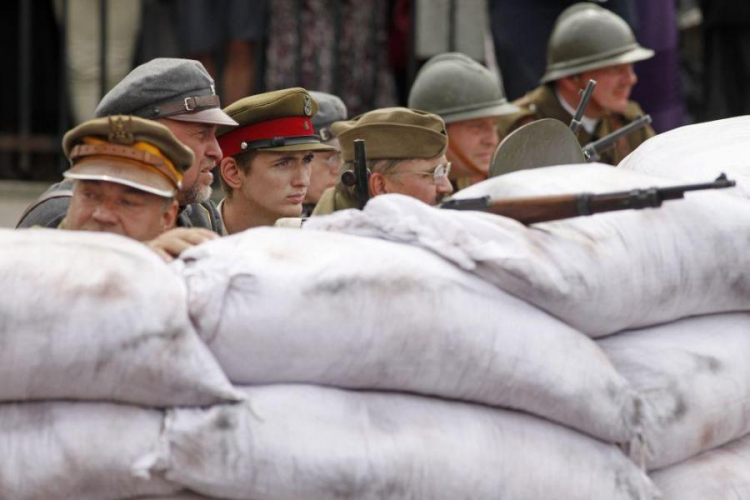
{"x": 416, "y": 178}
{"x": 613, "y": 86}
{"x": 276, "y": 184}
{"x": 201, "y": 138}
{"x": 476, "y": 140}
{"x": 115, "y": 208}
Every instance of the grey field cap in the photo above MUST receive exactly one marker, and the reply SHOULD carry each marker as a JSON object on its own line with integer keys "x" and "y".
{"x": 588, "y": 37}
{"x": 330, "y": 109}
{"x": 456, "y": 87}
{"x": 178, "y": 89}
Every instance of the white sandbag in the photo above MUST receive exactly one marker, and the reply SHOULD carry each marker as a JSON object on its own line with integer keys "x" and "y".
{"x": 694, "y": 376}
{"x": 601, "y": 274}
{"x": 293, "y": 442}
{"x": 698, "y": 153}
{"x": 720, "y": 474}
{"x": 178, "y": 496}
{"x": 290, "y": 306}
{"x": 81, "y": 451}
{"x": 98, "y": 316}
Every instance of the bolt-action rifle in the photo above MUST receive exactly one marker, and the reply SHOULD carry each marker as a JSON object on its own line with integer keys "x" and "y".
{"x": 359, "y": 178}
{"x": 549, "y": 208}
{"x": 575, "y": 123}
{"x": 593, "y": 150}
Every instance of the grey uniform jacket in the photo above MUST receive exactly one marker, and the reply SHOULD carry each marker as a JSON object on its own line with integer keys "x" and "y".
{"x": 50, "y": 209}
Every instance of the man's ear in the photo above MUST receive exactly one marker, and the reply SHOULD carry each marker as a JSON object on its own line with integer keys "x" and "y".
{"x": 570, "y": 83}
{"x": 230, "y": 172}
{"x": 169, "y": 218}
{"x": 377, "y": 184}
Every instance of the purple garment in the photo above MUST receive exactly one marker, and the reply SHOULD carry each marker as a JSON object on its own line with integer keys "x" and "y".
{"x": 658, "y": 89}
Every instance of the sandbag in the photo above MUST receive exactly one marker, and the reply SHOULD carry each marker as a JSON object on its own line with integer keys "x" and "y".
{"x": 601, "y": 274}
{"x": 82, "y": 451}
{"x": 694, "y": 376}
{"x": 292, "y": 442}
{"x": 289, "y": 306}
{"x": 698, "y": 153}
{"x": 720, "y": 474}
{"x": 178, "y": 496}
{"x": 98, "y": 317}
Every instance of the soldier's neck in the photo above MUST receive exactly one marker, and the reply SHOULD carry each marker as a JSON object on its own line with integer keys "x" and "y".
{"x": 239, "y": 216}
{"x": 572, "y": 98}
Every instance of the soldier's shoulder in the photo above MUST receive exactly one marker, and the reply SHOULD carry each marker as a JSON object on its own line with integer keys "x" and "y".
{"x": 203, "y": 214}
{"x": 534, "y": 105}
{"x": 632, "y": 111}
{"x": 50, "y": 208}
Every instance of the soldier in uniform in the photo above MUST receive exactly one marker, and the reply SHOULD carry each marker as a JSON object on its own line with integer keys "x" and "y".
{"x": 406, "y": 154}
{"x": 588, "y": 42}
{"x": 179, "y": 94}
{"x": 470, "y": 99}
{"x": 326, "y": 165}
{"x": 125, "y": 173}
{"x": 266, "y": 169}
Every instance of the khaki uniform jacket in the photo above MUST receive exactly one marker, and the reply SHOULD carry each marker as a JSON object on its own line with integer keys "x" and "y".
{"x": 332, "y": 201}
{"x": 543, "y": 103}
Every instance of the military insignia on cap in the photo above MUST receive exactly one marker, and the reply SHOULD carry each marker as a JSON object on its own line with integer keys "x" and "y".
{"x": 325, "y": 134}
{"x": 308, "y": 105}
{"x": 120, "y": 130}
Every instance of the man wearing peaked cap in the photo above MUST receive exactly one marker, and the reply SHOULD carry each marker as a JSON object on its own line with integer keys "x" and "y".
{"x": 588, "y": 42}
{"x": 179, "y": 94}
{"x": 126, "y": 172}
{"x": 405, "y": 154}
{"x": 326, "y": 165}
{"x": 266, "y": 168}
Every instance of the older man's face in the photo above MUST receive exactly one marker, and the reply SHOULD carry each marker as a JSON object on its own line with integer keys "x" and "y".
{"x": 613, "y": 86}
{"x": 417, "y": 178}
{"x": 201, "y": 138}
{"x": 476, "y": 140}
{"x": 115, "y": 208}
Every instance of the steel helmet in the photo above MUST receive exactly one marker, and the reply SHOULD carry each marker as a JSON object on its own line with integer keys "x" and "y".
{"x": 587, "y": 37}
{"x": 456, "y": 87}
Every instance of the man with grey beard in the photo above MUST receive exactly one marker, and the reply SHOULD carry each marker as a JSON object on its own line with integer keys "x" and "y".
{"x": 179, "y": 94}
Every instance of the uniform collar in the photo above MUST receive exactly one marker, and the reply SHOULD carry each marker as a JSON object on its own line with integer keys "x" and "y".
{"x": 589, "y": 124}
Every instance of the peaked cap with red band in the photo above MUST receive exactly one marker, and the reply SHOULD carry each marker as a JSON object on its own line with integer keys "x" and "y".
{"x": 273, "y": 121}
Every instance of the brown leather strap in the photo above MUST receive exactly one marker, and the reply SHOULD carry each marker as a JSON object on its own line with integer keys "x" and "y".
{"x": 128, "y": 152}
{"x": 186, "y": 105}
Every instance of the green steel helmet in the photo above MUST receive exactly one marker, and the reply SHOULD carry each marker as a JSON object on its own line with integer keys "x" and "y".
{"x": 587, "y": 37}
{"x": 456, "y": 88}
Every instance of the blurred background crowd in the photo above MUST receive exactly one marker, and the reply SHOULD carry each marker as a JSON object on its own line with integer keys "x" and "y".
{"x": 61, "y": 56}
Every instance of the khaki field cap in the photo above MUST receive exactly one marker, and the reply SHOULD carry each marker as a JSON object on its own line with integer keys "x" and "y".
{"x": 178, "y": 89}
{"x": 457, "y": 88}
{"x": 393, "y": 134}
{"x": 274, "y": 121}
{"x": 588, "y": 37}
{"x": 127, "y": 150}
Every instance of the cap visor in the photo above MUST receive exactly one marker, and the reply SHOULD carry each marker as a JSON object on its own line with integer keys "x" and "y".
{"x": 123, "y": 172}
{"x": 214, "y": 116}
{"x": 492, "y": 111}
{"x": 316, "y": 146}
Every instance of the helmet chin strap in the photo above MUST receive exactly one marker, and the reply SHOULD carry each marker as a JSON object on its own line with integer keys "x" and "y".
{"x": 465, "y": 161}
